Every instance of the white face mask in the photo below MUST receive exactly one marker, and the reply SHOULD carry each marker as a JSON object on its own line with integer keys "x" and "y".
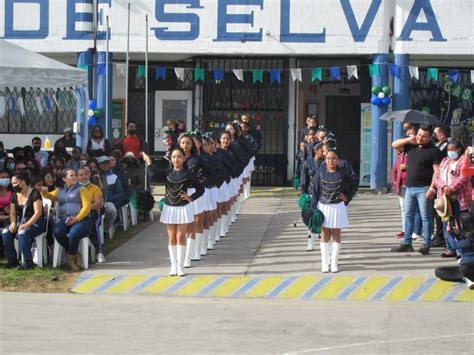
{"x": 452, "y": 154}
{"x": 84, "y": 183}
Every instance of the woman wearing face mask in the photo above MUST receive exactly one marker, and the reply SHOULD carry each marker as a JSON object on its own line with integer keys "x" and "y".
{"x": 10, "y": 164}
{"x": 74, "y": 205}
{"x": 98, "y": 145}
{"x": 457, "y": 188}
{"x": 5, "y": 196}
{"x": 27, "y": 221}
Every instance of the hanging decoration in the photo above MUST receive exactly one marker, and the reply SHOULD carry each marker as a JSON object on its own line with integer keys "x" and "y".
{"x": 101, "y": 69}
{"x": 395, "y": 70}
{"x": 453, "y": 74}
{"x": 316, "y": 73}
{"x": 13, "y": 108}
{"x": 275, "y": 75}
{"x": 82, "y": 66}
{"x": 432, "y": 74}
{"x": 160, "y": 73}
{"x": 179, "y": 73}
{"x": 414, "y": 73}
{"x": 141, "y": 71}
{"x": 121, "y": 69}
{"x": 296, "y": 74}
{"x": 47, "y": 102}
{"x": 335, "y": 73}
{"x": 352, "y": 72}
{"x": 374, "y": 70}
{"x": 199, "y": 74}
{"x": 2, "y": 106}
{"x": 239, "y": 74}
{"x": 39, "y": 106}
{"x": 218, "y": 76}
{"x": 380, "y": 96}
{"x": 257, "y": 75}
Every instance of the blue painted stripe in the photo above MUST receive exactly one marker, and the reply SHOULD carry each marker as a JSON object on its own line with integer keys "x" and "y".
{"x": 316, "y": 287}
{"x": 351, "y": 288}
{"x": 457, "y": 289}
{"x": 212, "y": 286}
{"x": 386, "y": 289}
{"x": 139, "y": 288}
{"x": 247, "y": 286}
{"x": 82, "y": 278}
{"x": 179, "y": 284}
{"x": 282, "y": 286}
{"x": 422, "y": 289}
{"x": 109, "y": 284}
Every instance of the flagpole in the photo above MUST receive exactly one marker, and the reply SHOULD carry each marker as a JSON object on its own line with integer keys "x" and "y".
{"x": 146, "y": 79}
{"x": 126, "y": 65}
{"x": 107, "y": 81}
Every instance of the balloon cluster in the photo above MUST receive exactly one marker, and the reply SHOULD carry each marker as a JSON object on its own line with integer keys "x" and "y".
{"x": 380, "y": 96}
{"x": 93, "y": 113}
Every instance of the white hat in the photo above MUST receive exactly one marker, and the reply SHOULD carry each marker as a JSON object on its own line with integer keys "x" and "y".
{"x": 103, "y": 159}
{"x": 67, "y": 129}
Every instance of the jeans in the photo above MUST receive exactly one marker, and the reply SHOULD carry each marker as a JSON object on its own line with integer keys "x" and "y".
{"x": 401, "y": 198}
{"x": 449, "y": 235}
{"x": 25, "y": 239}
{"x": 456, "y": 273}
{"x": 70, "y": 236}
{"x": 415, "y": 197}
{"x": 110, "y": 215}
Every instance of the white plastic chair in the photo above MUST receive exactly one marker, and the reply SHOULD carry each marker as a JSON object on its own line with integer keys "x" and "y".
{"x": 84, "y": 246}
{"x": 124, "y": 216}
{"x": 40, "y": 240}
{"x": 133, "y": 215}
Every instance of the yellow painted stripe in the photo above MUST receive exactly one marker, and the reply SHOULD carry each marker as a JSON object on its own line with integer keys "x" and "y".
{"x": 91, "y": 284}
{"x": 195, "y": 285}
{"x": 334, "y": 287}
{"x": 230, "y": 286}
{"x": 369, "y": 288}
{"x": 126, "y": 284}
{"x": 437, "y": 291}
{"x": 300, "y": 286}
{"x": 466, "y": 296}
{"x": 264, "y": 286}
{"x": 405, "y": 288}
{"x": 162, "y": 284}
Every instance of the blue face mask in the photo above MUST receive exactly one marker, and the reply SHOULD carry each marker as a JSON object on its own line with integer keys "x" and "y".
{"x": 4, "y": 182}
{"x": 10, "y": 166}
{"x": 452, "y": 154}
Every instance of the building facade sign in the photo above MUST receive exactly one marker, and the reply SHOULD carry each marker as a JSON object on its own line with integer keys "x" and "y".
{"x": 280, "y": 27}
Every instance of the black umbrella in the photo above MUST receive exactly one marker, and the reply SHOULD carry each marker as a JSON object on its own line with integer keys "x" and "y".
{"x": 411, "y": 116}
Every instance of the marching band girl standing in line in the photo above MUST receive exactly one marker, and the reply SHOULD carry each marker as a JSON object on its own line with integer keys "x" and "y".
{"x": 178, "y": 211}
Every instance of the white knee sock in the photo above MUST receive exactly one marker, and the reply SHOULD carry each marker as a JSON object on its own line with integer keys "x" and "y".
{"x": 181, "y": 254}
{"x": 172, "y": 251}
{"x": 197, "y": 247}
{"x": 190, "y": 244}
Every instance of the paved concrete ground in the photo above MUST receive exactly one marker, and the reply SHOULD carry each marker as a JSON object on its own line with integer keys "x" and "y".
{"x": 265, "y": 242}
{"x": 99, "y": 324}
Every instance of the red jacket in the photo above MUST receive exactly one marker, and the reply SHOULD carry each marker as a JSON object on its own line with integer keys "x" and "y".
{"x": 396, "y": 175}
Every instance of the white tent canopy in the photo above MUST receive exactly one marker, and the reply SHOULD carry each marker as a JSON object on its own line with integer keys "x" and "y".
{"x": 20, "y": 67}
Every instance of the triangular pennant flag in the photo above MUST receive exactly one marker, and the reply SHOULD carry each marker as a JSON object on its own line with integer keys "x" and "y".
{"x": 122, "y": 69}
{"x": 63, "y": 101}
{"x": 316, "y": 73}
{"x": 47, "y": 102}
{"x": 395, "y": 70}
{"x": 352, "y": 71}
{"x": 296, "y": 74}
{"x": 2, "y": 106}
{"x": 275, "y": 75}
{"x": 414, "y": 73}
{"x": 21, "y": 105}
{"x": 335, "y": 73}
{"x": 82, "y": 66}
{"x": 100, "y": 69}
{"x": 30, "y": 105}
{"x": 472, "y": 76}
{"x": 141, "y": 71}
{"x": 199, "y": 74}
{"x": 39, "y": 107}
{"x": 179, "y": 73}
{"x": 239, "y": 74}
{"x": 13, "y": 108}
{"x": 160, "y": 73}
{"x": 453, "y": 74}
{"x": 257, "y": 75}
{"x": 432, "y": 74}
{"x": 374, "y": 70}
{"x": 56, "y": 102}
{"x": 218, "y": 75}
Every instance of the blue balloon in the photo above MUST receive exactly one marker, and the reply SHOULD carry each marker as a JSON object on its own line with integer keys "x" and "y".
{"x": 375, "y": 100}
{"x": 92, "y": 104}
{"x": 386, "y": 101}
{"x": 92, "y": 121}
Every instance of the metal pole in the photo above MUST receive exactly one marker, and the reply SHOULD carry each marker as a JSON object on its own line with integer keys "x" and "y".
{"x": 107, "y": 80}
{"x": 146, "y": 80}
{"x": 126, "y": 70}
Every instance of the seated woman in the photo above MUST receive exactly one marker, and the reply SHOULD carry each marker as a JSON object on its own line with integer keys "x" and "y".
{"x": 74, "y": 223}
{"x": 27, "y": 221}
{"x": 5, "y": 195}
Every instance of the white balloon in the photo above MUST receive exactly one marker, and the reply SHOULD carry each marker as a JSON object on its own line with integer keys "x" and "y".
{"x": 381, "y": 95}
{"x": 90, "y": 113}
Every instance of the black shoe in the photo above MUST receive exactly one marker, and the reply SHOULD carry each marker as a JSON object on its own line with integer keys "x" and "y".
{"x": 11, "y": 264}
{"x": 27, "y": 265}
{"x": 424, "y": 250}
{"x": 438, "y": 242}
{"x": 402, "y": 248}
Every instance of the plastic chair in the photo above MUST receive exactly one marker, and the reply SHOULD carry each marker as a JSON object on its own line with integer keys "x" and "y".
{"x": 84, "y": 246}
{"x": 133, "y": 215}
{"x": 124, "y": 216}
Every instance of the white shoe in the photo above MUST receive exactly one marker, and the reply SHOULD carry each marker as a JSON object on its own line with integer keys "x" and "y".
{"x": 101, "y": 258}
{"x": 181, "y": 254}
{"x": 324, "y": 257}
{"x": 172, "y": 249}
{"x": 336, "y": 248}
{"x": 415, "y": 236}
{"x": 469, "y": 283}
{"x": 310, "y": 246}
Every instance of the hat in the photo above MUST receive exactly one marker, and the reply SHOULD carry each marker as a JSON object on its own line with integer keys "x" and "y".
{"x": 67, "y": 129}
{"x": 129, "y": 155}
{"x": 103, "y": 159}
{"x": 442, "y": 206}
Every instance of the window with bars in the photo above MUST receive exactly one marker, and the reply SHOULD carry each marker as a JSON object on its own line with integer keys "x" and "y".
{"x": 37, "y": 111}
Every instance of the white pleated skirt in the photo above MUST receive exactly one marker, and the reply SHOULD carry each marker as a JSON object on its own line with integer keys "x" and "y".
{"x": 235, "y": 186}
{"x": 210, "y": 203}
{"x": 249, "y": 168}
{"x": 199, "y": 204}
{"x": 213, "y": 193}
{"x": 223, "y": 193}
{"x": 177, "y": 214}
{"x": 335, "y": 215}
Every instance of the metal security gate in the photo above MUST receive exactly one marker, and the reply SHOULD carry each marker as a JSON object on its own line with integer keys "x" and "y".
{"x": 450, "y": 108}
{"x": 266, "y": 103}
